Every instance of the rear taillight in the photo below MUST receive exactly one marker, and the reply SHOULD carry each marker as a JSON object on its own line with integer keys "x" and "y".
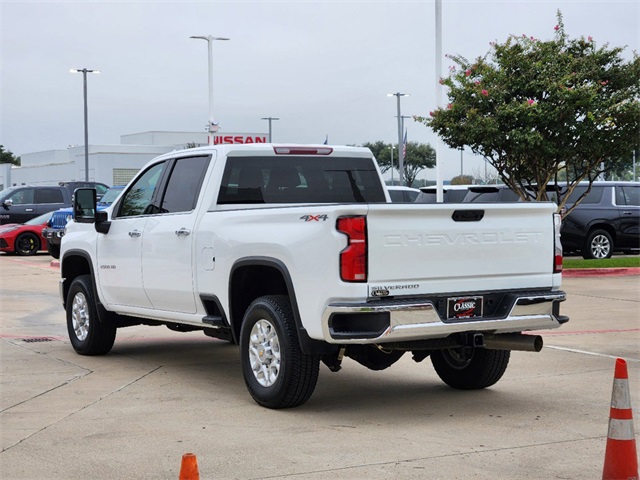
{"x": 557, "y": 246}
{"x": 353, "y": 259}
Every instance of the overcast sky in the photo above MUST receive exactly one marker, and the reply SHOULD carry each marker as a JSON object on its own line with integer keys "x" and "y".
{"x": 323, "y": 67}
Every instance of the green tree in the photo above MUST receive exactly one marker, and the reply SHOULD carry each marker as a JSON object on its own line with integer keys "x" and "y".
{"x": 462, "y": 180}
{"x": 7, "y": 157}
{"x": 536, "y": 108}
{"x": 419, "y": 156}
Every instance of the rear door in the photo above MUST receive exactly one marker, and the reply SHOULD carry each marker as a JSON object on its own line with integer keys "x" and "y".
{"x": 628, "y": 201}
{"x": 50, "y": 199}
{"x": 167, "y": 243}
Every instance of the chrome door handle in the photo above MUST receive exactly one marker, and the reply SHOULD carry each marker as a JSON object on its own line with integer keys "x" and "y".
{"x": 134, "y": 233}
{"x": 183, "y": 232}
{"x": 28, "y": 209}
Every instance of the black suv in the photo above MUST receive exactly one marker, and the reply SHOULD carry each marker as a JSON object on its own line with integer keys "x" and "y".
{"x": 21, "y": 203}
{"x": 607, "y": 220}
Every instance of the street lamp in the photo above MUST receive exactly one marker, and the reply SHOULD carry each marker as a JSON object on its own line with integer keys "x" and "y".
{"x": 212, "y": 126}
{"x": 269, "y": 119}
{"x": 84, "y": 72}
{"x": 400, "y": 121}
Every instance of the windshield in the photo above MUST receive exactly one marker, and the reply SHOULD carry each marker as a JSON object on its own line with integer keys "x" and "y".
{"x": 44, "y": 218}
{"x": 5, "y": 193}
{"x": 111, "y": 195}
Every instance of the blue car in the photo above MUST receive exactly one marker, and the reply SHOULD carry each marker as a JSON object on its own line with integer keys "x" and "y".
{"x": 56, "y": 225}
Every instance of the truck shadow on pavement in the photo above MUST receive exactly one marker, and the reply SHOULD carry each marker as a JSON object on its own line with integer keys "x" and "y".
{"x": 213, "y": 367}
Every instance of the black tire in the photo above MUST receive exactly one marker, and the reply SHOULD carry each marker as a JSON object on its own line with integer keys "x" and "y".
{"x": 269, "y": 344}
{"x": 599, "y": 245}
{"x": 88, "y": 335}
{"x": 54, "y": 250}
{"x": 27, "y": 244}
{"x": 470, "y": 368}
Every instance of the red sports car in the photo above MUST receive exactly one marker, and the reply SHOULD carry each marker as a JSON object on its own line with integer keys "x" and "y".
{"x": 25, "y": 238}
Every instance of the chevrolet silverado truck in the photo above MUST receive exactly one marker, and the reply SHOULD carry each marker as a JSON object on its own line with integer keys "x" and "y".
{"x": 296, "y": 254}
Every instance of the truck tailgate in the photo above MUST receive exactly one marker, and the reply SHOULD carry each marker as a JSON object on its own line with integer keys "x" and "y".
{"x": 448, "y": 248}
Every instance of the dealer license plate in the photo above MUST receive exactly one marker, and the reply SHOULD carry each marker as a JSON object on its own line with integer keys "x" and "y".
{"x": 464, "y": 307}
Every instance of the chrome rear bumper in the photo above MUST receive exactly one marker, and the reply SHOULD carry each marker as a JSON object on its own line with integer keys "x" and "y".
{"x": 398, "y": 320}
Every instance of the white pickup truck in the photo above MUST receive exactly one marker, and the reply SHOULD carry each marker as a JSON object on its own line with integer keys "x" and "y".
{"x": 296, "y": 254}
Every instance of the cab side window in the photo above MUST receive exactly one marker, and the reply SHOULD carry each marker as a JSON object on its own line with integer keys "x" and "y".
{"x": 628, "y": 195}
{"x": 139, "y": 197}
{"x": 49, "y": 195}
{"x": 184, "y": 184}
{"x": 23, "y": 197}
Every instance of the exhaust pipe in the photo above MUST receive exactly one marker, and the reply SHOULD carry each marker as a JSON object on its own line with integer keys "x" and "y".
{"x": 513, "y": 341}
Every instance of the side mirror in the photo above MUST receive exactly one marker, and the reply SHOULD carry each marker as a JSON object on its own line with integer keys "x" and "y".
{"x": 102, "y": 222}
{"x": 7, "y": 203}
{"x": 84, "y": 205}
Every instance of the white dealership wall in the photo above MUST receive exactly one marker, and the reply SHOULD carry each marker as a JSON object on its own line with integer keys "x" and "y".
{"x": 133, "y": 152}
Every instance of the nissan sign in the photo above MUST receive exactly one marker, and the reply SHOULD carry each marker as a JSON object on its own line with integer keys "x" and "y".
{"x": 239, "y": 138}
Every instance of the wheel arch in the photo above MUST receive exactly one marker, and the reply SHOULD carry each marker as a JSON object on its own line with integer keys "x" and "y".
{"x": 602, "y": 226}
{"x": 254, "y": 277}
{"x": 72, "y": 265}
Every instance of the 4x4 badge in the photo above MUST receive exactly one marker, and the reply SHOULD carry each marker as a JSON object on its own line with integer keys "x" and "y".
{"x": 314, "y": 218}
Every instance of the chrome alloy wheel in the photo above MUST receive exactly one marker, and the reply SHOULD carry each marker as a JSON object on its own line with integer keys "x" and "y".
{"x": 80, "y": 316}
{"x": 600, "y": 246}
{"x": 264, "y": 352}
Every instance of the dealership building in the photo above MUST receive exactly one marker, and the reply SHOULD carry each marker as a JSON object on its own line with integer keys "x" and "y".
{"x": 109, "y": 164}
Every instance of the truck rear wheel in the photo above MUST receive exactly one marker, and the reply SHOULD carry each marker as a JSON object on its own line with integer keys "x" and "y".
{"x": 470, "y": 368}
{"x": 276, "y": 372}
{"x": 88, "y": 335}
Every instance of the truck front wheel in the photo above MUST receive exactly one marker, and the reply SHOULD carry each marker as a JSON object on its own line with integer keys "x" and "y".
{"x": 470, "y": 368}
{"x": 88, "y": 335}
{"x": 276, "y": 372}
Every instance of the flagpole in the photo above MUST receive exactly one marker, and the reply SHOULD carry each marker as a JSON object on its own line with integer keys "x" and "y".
{"x": 392, "y": 181}
{"x": 439, "y": 192}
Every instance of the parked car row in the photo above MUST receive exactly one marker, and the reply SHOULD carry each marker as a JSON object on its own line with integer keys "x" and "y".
{"x": 56, "y": 225}
{"x": 42, "y": 232}
{"x": 25, "y": 238}
{"x": 21, "y": 203}
{"x": 607, "y": 220}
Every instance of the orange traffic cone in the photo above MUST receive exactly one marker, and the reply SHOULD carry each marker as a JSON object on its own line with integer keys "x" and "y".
{"x": 189, "y": 467}
{"x": 620, "y": 458}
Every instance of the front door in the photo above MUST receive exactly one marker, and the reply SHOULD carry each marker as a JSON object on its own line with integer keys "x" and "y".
{"x": 120, "y": 250}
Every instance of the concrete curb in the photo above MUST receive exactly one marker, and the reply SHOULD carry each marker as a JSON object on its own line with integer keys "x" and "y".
{"x": 600, "y": 272}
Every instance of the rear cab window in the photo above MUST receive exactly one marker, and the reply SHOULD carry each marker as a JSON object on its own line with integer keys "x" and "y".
{"x": 300, "y": 179}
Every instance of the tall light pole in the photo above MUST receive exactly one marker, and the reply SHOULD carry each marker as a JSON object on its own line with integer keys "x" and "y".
{"x": 270, "y": 119}
{"x": 400, "y": 153}
{"x": 212, "y": 126}
{"x": 84, "y": 72}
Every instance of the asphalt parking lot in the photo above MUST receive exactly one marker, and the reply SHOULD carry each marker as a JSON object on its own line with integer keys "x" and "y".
{"x": 160, "y": 394}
